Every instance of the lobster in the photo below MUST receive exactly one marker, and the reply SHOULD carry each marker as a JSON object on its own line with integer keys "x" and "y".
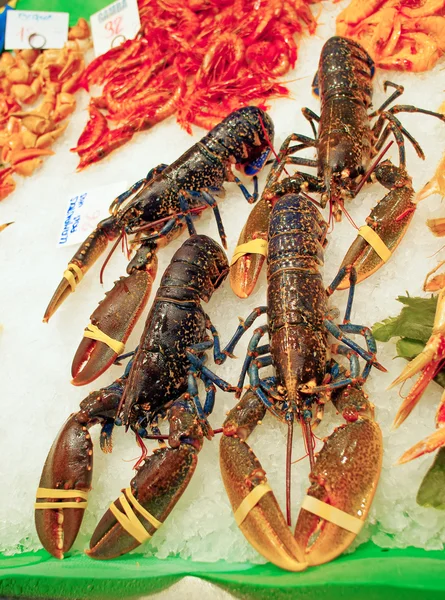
{"x": 345, "y": 475}
{"x": 154, "y": 386}
{"x": 345, "y": 143}
{"x": 168, "y": 193}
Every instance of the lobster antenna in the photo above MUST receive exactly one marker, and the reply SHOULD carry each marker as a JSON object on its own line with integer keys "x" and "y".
{"x": 307, "y": 433}
{"x": 152, "y": 224}
{"x": 348, "y": 216}
{"x": 269, "y": 143}
{"x": 143, "y": 448}
{"x": 373, "y": 166}
{"x": 290, "y": 435}
{"x": 115, "y": 245}
{"x": 165, "y": 437}
{"x": 311, "y": 199}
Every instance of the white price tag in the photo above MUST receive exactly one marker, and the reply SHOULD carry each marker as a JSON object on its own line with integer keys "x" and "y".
{"x": 114, "y": 24}
{"x": 35, "y": 29}
{"x": 85, "y": 210}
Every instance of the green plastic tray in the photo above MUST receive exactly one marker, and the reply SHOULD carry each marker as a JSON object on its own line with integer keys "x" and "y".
{"x": 370, "y": 573}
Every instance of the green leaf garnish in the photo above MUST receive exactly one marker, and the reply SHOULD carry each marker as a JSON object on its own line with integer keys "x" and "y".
{"x": 432, "y": 489}
{"x": 415, "y": 321}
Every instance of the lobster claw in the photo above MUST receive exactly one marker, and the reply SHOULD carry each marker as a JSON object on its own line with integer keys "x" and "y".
{"x": 344, "y": 481}
{"x": 81, "y": 262}
{"x": 245, "y": 267}
{"x": 65, "y": 482}
{"x": 261, "y": 520}
{"x": 111, "y": 325}
{"x": 153, "y": 493}
{"x": 386, "y": 224}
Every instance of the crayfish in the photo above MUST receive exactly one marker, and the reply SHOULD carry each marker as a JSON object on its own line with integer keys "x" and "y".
{"x": 161, "y": 208}
{"x": 346, "y": 144}
{"x": 153, "y": 386}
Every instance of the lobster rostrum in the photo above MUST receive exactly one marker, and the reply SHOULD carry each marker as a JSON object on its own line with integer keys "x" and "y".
{"x": 346, "y": 143}
{"x": 157, "y": 213}
{"x": 345, "y": 475}
{"x": 153, "y": 386}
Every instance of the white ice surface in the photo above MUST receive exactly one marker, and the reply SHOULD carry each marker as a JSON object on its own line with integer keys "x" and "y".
{"x": 37, "y": 396}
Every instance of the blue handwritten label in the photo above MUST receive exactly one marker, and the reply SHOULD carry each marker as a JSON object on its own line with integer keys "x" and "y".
{"x": 72, "y": 218}
{"x": 84, "y": 211}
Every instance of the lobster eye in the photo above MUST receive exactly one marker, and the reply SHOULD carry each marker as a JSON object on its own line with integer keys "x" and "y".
{"x": 256, "y": 165}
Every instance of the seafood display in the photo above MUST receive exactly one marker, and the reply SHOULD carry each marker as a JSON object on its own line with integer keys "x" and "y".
{"x": 294, "y": 500}
{"x": 198, "y": 61}
{"x": 27, "y": 135}
{"x": 408, "y": 36}
{"x": 346, "y": 143}
{"x": 153, "y": 386}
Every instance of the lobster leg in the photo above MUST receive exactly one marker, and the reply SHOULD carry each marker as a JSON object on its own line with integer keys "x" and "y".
{"x": 346, "y": 326}
{"x": 68, "y": 469}
{"x": 256, "y": 510}
{"x": 159, "y": 483}
{"x": 251, "y": 198}
{"x": 343, "y": 481}
{"x": 311, "y": 116}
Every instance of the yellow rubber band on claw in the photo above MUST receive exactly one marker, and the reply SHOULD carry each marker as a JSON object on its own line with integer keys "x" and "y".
{"x": 150, "y": 518}
{"x": 94, "y": 333}
{"x": 332, "y": 514}
{"x": 257, "y": 246}
{"x": 60, "y": 495}
{"x": 250, "y": 501}
{"x": 375, "y": 241}
{"x": 130, "y": 521}
{"x": 70, "y": 275}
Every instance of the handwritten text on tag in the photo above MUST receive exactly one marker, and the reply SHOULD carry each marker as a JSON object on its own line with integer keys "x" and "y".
{"x": 114, "y": 24}
{"x": 35, "y": 29}
{"x": 85, "y": 210}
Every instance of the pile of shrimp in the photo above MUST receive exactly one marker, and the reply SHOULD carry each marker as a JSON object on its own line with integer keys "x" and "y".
{"x": 407, "y": 35}
{"x": 200, "y": 60}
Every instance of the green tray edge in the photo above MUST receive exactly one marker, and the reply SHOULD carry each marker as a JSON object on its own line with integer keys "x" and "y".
{"x": 367, "y": 574}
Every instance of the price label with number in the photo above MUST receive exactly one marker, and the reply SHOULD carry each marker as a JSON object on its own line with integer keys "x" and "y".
{"x": 35, "y": 29}
{"x": 114, "y": 24}
{"x": 85, "y": 210}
